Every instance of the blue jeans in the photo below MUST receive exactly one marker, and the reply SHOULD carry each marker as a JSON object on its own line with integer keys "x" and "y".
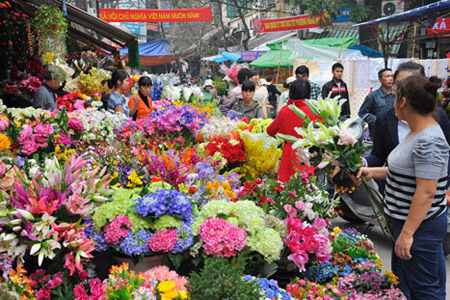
{"x": 423, "y": 277}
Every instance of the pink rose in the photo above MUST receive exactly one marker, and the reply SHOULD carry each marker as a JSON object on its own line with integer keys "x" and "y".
{"x": 40, "y": 140}
{"x": 300, "y": 205}
{"x": 29, "y": 147}
{"x": 75, "y": 124}
{"x": 4, "y": 124}
{"x": 65, "y": 140}
{"x": 43, "y": 129}
{"x": 346, "y": 137}
{"x": 25, "y": 134}
{"x": 79, "y": 105}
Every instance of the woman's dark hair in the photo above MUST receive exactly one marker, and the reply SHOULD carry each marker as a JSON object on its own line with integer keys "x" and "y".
{"x": 300, "y": 89}
{"x": 410, "y": 67}
{"x": 145, "y": 81}
{"x": 105, "y": 99}
{"x": 248, "y": 86}
{"x": 420, "y": 92}
{"x": 117, "y": 75}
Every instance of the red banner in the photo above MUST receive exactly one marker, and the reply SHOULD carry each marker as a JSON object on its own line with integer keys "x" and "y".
{"x": 286, "y": 24}
{"x": 441, "y": 25}
{"x": 156, "y": 15}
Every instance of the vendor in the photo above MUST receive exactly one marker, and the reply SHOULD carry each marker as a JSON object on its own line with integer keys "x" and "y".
{"x": 142, "y": 99}
{"x": 208, "y": 96}
{"x": 45, "y": 96}
{"x": 117, "y": 101}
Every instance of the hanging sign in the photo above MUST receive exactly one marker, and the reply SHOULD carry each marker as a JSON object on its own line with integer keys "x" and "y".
{"x": 156, "y": 15}
{"x": 251, "y": 55}
{"x": 441, "y": 25}
{"x": 289, "y": 23}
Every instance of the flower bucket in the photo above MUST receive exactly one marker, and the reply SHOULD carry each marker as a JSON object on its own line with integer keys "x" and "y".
{"x": 148, "y": 262}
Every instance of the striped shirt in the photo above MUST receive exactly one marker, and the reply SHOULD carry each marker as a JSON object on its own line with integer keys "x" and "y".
{"x": 424, "y": 155}
{"x": 116, "y": 100}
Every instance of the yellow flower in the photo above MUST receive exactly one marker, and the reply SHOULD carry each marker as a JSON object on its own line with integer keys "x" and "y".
{"x": 134, "y": 180}
{"x": 379, "y": 262}
{"x": 392, "y": 277}
{"x": 336, "y": 231}
{"x": 209, "y": 186}
{"x": 5, "y": 143}
{"x": 183, "y": 294}
{"x": 217, "y": 184}
{"x": 166, "y": 286}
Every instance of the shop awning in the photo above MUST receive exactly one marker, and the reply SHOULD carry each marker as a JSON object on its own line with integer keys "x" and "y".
{"x": 353, "y": 33}
{"x": 79, "y": 18}
{"x": 227, "y": 56}
{"x": 154, "y": 53}
{"x": 437, "y": 8}
{"x": 278, "y": 56}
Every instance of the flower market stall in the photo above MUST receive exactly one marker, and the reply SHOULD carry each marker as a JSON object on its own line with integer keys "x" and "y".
{"x": 195, "y": 191}
{"x": 183, "y": 204}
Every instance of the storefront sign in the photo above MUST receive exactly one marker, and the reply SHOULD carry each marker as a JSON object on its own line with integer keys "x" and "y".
{"x": 156, "y": 15}
{"x": 251, "y": 55}
{"x": 286, "y": 24}
{"x": 441, "y": 25}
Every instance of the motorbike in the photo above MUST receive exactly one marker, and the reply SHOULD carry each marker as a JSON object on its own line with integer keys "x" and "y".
{"x": 356, "y": 206}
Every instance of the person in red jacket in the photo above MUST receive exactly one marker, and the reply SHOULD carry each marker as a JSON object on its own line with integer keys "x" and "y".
{"x": 286, "y": 122}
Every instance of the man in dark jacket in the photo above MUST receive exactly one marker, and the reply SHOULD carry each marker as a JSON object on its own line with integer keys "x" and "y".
{"x": 337, "y": 87}
{"x": 45, "y": 96}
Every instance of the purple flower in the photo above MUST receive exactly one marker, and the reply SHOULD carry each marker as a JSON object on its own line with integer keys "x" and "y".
{"x": 100, "y": 241}
{"x": 136, "y": 243}
{"x": 163, "y": 201}
{"x": 185, "y": 239}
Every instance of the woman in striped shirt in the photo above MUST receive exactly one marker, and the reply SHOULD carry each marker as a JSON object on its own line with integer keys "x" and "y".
{"x": 416, "y": 179}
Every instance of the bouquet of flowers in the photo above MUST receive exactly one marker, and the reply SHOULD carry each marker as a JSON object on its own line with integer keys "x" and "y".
{"x": 78, "y": 101}
{"x": 326, "y": 143}
{"x": 158, "y": 222}
{"x": 123, "y": 284}
{"x": 301, "y": 196}
{"x": 261, "y": 155}
{"x": 225, "y": 228}
{"x": 42, "y": 210}
{"x": 270, "y": 288}
{"x": 301, "y": 289}
{"x": 231, "y": 150}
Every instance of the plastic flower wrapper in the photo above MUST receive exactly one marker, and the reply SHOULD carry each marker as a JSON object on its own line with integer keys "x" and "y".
{"x": 247, "y": 216}
{"x": 269, "y": 287}
{"x": 261, "y": 154}
{"x": 171, "y": 92}
{"x": 218, "y": 127}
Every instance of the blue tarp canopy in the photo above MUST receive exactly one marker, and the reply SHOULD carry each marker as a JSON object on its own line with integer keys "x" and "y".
{"x": 154, "y": 48}
{"x": 367, "y": 51}
{"x": 227, "y": 56}
{"x": 439, "y": 7}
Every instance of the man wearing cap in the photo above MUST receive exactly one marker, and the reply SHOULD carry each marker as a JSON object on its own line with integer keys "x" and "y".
{"x": 284, "y": 97}
{"x": 235, "y": 94}
{"x": 45, "y": 96}
{"x": 207, "y": 94}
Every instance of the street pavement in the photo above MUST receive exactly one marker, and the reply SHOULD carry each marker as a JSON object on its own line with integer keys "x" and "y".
{"x": 382, "y": 245}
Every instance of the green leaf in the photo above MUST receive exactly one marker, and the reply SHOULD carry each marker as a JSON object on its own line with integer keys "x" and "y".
{"x": 270, "y": 269}
{"x": 287, "y": 138}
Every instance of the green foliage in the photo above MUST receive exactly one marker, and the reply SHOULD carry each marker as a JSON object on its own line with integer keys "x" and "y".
{"x": 220, "y": 86}
{"x": 51, "y": 29}
{"x": 222, "y": 279}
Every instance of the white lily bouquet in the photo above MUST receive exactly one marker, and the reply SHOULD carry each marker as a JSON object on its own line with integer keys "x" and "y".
{"x": 331, "y": 145}
{"x": 326, "y": 143}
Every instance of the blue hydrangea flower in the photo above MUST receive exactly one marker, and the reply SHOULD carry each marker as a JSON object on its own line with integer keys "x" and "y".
{"x": 136, "y": 243}
{"x": 163, "y": 201}
{"x": 100, "y": 242}
{"x": 185, "y": 238}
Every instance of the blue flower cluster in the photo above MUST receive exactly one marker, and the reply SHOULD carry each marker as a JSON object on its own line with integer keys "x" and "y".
{"x": 97, "y": 237}
{"x": 269, "y": 286}
{"x": 164, "y": 202}
{"x": 323, "y": 273}
{"x": 135, "y": 243}
{"x": 185, "y": 238}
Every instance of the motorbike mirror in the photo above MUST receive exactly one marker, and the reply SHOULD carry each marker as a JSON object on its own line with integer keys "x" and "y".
{"x": 357, "y": 126}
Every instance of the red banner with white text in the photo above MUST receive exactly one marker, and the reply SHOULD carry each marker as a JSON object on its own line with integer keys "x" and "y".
{"x": 289, "y": 23}
{"x": 156, "y": 15}
{"x": 441, "y": 25}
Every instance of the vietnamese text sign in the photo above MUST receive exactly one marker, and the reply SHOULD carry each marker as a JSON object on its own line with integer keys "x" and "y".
{"x": 156, "y": 15}
{"x": 441, "y": 25}
{"x": 286, "y": 24}
{"x": 251, "y": 55}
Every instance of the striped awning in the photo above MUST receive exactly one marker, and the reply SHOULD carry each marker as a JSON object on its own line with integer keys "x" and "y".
{"x": 394, "y": 30}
